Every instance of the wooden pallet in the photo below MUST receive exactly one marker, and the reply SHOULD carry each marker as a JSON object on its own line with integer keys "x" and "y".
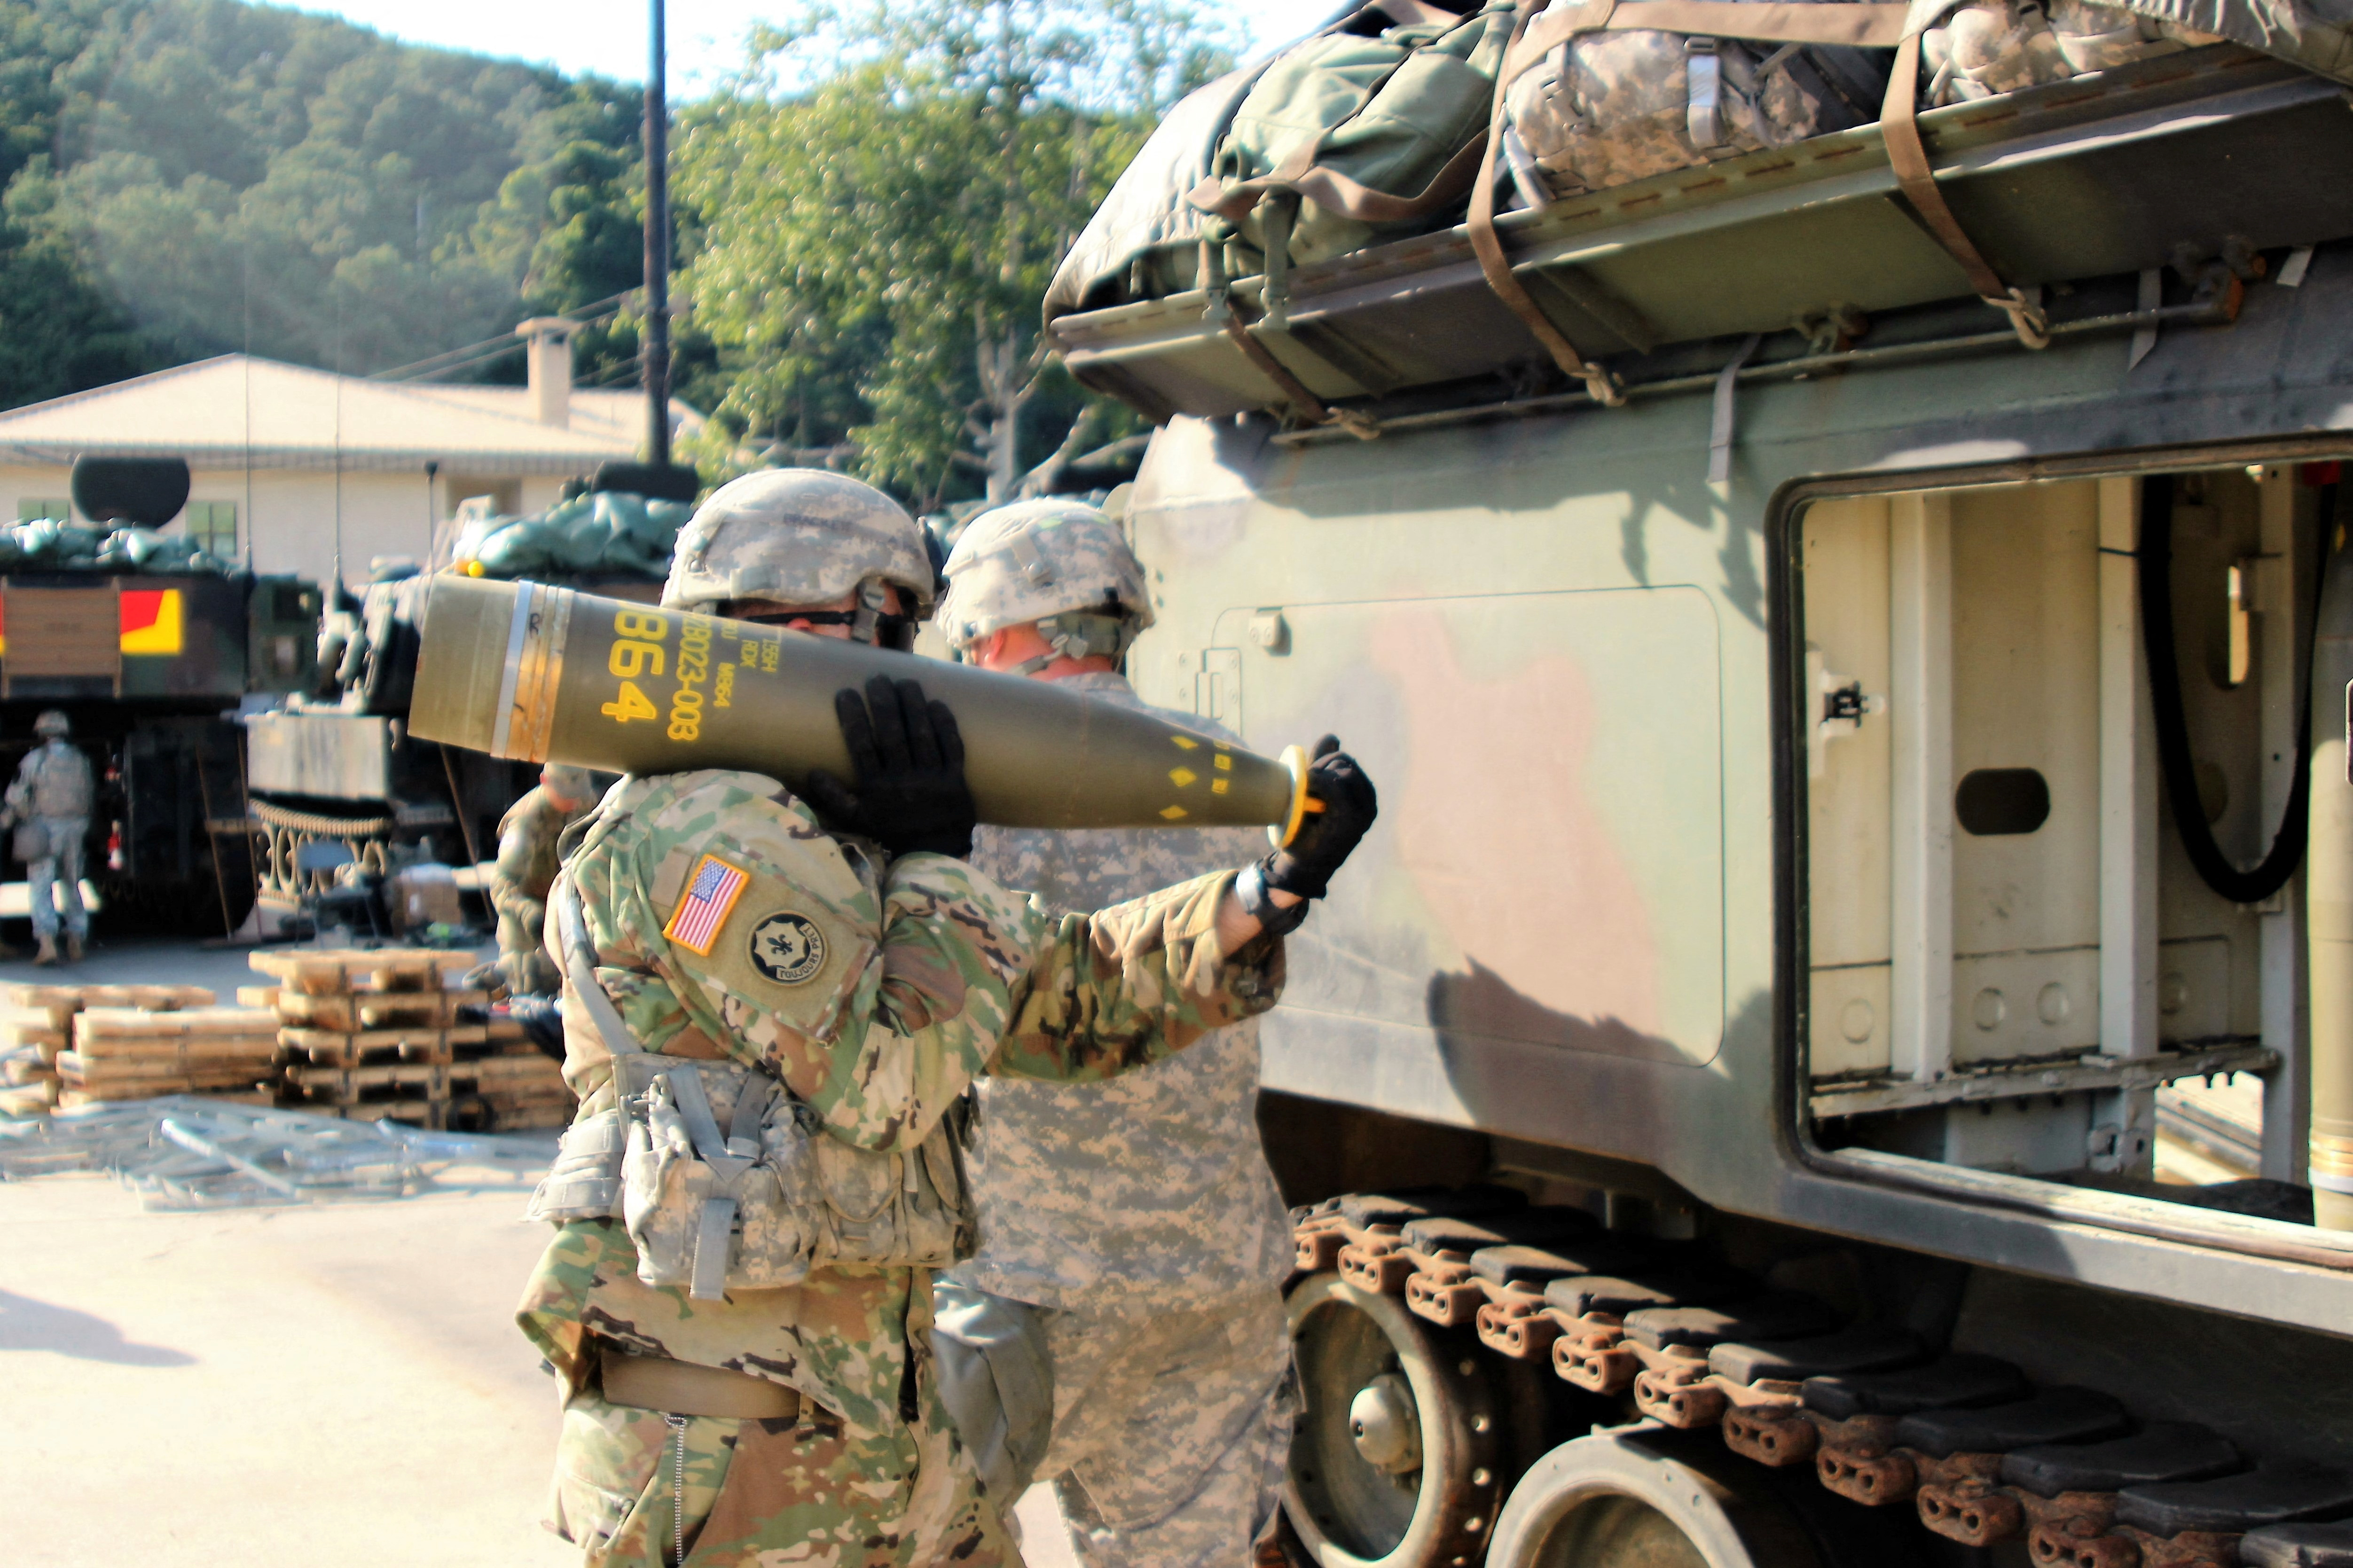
{"x": 341, "y": 971}
{"x": 16, "y": 1071}
{"x": 508, "y": 1073}
{"x": 371, "y": 1048}
{"x": 30, "y": 1099}
{"x": 34, "y": 1028}
{"x": 387, "y": 1081}
{"x": 72, "y": 1099}
{"x": 130, "y": 1025}
{"x": 63, "y": 1001}
{"x": 142, "y": 1081}
{"x": 354, "y": 1012}
{"x": 194, "y": 1053}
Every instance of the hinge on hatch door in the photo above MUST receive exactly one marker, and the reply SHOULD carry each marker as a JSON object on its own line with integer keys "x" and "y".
{"x": 1218, "y": 686}
{"x": 1836, "y": 708}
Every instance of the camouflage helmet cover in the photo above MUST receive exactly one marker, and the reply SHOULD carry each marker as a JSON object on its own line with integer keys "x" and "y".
{"x": 799, "y": 536}
{"x": 572, "y": 784}
{"x": 52, "y": 723}
{"x": 1034, "y": 559}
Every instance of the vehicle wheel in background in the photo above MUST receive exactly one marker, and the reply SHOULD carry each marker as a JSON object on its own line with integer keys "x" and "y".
{"x": 1646, "y": 1500}
{"x": 1397, "y": 1460}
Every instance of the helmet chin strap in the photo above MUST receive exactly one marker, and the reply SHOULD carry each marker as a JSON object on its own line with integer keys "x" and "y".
{"x": 874, "y": 622}
{"x": 1078, "y": 634}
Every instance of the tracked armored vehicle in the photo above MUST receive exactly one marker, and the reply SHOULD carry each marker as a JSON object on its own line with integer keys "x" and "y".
{"x": 151, "y": 656}
{"x": 1843, "y": 808}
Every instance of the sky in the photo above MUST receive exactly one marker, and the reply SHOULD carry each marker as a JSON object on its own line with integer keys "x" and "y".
{"x": 609, "y": 36}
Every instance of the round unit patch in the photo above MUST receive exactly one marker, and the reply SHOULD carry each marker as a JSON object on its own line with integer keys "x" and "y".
{"x": 787, "y": 948}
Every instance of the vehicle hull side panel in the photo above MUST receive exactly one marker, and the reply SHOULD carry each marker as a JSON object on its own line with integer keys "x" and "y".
{"x": 1467, "y": 971}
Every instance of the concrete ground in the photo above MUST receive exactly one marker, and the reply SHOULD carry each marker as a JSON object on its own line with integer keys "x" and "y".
{"x": 270, "y": 1387}
{"x": 135, "y": 961}
{"x": 276, "y": 1388}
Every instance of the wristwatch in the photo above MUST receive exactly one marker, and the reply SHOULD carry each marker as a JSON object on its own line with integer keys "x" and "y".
{"x": 1257, "y": 902}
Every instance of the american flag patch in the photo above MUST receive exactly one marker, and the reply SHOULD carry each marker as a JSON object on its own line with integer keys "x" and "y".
{"x": 710, "y": 893}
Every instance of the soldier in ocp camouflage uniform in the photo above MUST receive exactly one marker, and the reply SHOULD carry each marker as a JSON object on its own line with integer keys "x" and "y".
{"x": 1139, "y": 1215}
{"x": 855, "y": 959}
{"x": 525, "y": 869}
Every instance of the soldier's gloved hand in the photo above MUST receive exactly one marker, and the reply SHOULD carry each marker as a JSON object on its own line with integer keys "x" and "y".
{"x": 1326, "y": 838}
{"x": 909, "y": 757}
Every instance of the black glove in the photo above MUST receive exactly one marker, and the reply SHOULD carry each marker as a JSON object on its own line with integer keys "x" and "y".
{"x": 908, "y": 756}
{"x": 1325, "y": 837}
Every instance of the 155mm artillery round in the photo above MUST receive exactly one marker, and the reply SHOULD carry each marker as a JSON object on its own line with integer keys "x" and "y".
{"x": 540, "y": 674}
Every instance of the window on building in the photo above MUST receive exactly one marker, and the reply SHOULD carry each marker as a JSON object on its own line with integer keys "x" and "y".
{"x": 212, "y": 524}
{"x": 31, "y": 507}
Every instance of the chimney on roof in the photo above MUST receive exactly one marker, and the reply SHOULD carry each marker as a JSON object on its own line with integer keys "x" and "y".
{"x": 550, "y": 374}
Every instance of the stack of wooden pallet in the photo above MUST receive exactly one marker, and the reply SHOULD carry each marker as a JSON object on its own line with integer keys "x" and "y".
{"x": 384, "y": 1033}
{"x": 30, "y": 1040}
{"x": 72, "y": 1046}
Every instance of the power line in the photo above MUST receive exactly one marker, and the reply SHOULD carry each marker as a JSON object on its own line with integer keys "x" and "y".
{"x": 471, "y": 354}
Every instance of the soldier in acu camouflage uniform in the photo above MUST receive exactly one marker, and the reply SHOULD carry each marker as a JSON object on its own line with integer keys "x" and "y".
{"x": 855, "y": 959}
{"x": 525, "y": 869}
{"x": 1138, "y": 1215}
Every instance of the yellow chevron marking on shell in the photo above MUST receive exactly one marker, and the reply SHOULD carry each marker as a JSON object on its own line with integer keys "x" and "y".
{"x": 1174, "y": 813}
{"x": 1222, "y": 762}
{"x": 1220, "y": 787}
{"x": 1185, "y": 743}
{"x": 1180, "y": 777}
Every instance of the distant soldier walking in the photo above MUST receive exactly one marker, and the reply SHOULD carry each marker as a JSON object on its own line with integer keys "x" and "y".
{"x": 526, "y": 868}
{"x": 49, "y": 804}
{"x": 1137, "y": 1218}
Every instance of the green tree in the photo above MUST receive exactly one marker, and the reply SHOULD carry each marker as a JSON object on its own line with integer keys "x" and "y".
{"x": 185, "y": 177}
{"x": 879, "y": 204}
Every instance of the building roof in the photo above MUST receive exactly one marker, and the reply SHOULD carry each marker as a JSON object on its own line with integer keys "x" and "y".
{"x": 237, "y": 411}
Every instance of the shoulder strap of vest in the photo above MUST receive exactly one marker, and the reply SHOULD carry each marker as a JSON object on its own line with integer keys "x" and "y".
{"x": 580, "y": 968}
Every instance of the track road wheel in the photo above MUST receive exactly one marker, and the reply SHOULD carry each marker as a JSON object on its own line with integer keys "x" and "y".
{"x": 1397, "y": 1460}
{"x": 1641, "y": 1498}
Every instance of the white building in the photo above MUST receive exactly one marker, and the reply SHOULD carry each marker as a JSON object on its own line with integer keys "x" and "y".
{"x": 292, "y": 466}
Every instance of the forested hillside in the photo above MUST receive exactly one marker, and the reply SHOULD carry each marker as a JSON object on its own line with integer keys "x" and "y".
{"x": 187, "y": 177}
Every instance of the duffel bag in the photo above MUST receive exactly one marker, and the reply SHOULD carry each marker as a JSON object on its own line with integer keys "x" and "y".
{"x": 1372, "y": 127}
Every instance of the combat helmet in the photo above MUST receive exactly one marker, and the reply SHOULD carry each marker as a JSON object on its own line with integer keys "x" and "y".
{"x": 52, "y": 723}
{"x": 572, "y": 784}
{"x": 799, "y": 536}
{"x": 1058, "y": 562}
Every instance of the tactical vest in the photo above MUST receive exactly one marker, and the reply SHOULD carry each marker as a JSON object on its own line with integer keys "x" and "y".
{"x": 60, "y": 781}
{"x": 756, "y": 1205}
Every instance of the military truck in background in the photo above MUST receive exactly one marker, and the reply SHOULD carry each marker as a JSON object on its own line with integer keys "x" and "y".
{"x": 150, "y": 650}
{"x": 334, "y": 763}
{"x": 1852, "y": 780}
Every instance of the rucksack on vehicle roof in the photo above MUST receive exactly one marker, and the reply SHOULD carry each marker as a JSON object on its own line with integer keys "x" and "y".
{"x": 2191, "y": 161}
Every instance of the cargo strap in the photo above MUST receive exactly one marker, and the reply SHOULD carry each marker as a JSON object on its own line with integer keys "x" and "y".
{"x": 682, "y": 1388}
{"x": 1311, "y": 407}
{"x": 1307, "y": 406}
{"x": 1497, "y": 266}
{"x": 1899, "y": 128}
{"x": 1542, "y": 30}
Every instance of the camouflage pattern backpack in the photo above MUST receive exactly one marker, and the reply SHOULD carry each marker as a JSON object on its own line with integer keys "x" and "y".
{"x": 1604, "y": 109}
{"x": 1992, "y": 47}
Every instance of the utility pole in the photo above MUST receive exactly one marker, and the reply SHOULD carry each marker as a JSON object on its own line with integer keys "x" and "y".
{"x": 654, "y": 356}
